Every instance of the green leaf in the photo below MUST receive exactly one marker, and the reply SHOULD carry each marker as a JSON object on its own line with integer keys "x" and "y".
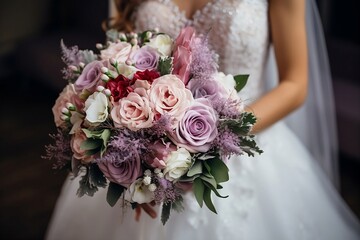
{"x": 113, "y": 194}
{"x": 215, "y": 190}
{"x": 165, "y": 65}
{"x": 165, "y": 213}
{"x": 208, "y": 201}
{"x": 198, "y": 188}
{"x": 249, "y": 146}
{"x": 99, "y": 137}
{"x": 210, "y": 180}
{"x": 240, "y": 81}
{"x": 219, "y": 170}
{"x": 177, "y": 205}
{"x": 90, "y": 182}
{"x": 195, "y": 169}
{"x": 90, "y": 144}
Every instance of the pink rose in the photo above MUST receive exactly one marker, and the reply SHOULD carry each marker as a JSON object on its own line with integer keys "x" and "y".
{"x": 182, "y": 53}
{"x": 170, "y": 97}
{"x": 75, "y": 144}
{"x": 158, "y": 152}
{"x": 121, "y": 51}
{"x": 68, "y": 95}
{"x": 134, "y": 111}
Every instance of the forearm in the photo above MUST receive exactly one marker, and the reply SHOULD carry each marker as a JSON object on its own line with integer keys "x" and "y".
{"x": 277, "y": 103}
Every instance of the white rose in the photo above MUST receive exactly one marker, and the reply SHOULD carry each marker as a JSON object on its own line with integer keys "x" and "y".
{"x": 162, "y": 43}
{"x": 139, "y": 193}
{"x": 96, "y": 108}
{"x": 177, "y": 164}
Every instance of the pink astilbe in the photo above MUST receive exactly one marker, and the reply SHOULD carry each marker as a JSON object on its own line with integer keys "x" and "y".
{"x": 60, "y": 151}
{"x": 161, "y": 126}
{"x": 204, "y": 61}
{"x": 227, "y": 108}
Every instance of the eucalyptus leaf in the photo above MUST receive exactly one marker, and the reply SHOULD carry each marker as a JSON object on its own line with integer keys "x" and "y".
{"x": 219, "y": 170}
{"x": 208, "y": 201}
{"x": 240, "y": 81}
{"x": 195, "y": 169}
{"x": 114, "y": 193}
{"x": 165, "y": 213}
{"x": 198, "y": 189}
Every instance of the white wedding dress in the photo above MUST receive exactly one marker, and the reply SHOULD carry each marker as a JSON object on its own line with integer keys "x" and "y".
{"x": 280, "y": 195}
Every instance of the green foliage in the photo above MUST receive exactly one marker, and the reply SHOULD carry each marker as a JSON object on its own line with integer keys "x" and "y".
{"x": 165, "y": 213}
{"x": 240, "y": 81}
{"x": 165, "y": 65}
{"x": 114, "y": 192}
{"x": 96, "y": 141}
{"x": 206, "y": 176}
{"x": 249, "y": 146}
{"x": 91, "y": 181}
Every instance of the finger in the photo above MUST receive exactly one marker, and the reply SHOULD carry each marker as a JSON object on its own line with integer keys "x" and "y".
{"x": 149, "y": 210}
{"x": 137, "y": 213}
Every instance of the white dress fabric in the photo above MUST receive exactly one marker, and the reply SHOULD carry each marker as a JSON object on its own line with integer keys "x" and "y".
{"x": 280, "y": 195}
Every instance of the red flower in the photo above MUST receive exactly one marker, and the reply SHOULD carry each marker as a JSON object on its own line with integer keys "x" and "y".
{"x": 119, "y": 87}
{"x": 147, "y": 75}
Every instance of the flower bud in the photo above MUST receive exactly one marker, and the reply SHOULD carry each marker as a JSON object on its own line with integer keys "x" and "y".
{"x": 73, "y": 68}
{"x": 82, "y": 65}
{"x": 134, "y": 41}
{"x": 64, "y": 117}
{"x": 147, "y": 180}
{"x": 152, "y": 187}
{"x": 107, "y": 92}
{"x": 156, "y": 30}
{"x": 122, "y": 36}
{"x": 65, "y": 111}
{"x": 113, "y": 61}
{"x": 160, "y": 175}
{"x": 147, "y": 172}
{"x": 99, "y": 46}
{"x": 148, "y": 35}
{"x": 104, "y": 69}
{"x": 157, "y": 170}
{"x": 104, "y": 78}
{"x": 128, "y": 62}
{"x": 70, "y": 106}
{"x": 100, "y": 88}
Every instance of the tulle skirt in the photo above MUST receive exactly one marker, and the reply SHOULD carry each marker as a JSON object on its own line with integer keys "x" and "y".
{"x": 281, "y": 194}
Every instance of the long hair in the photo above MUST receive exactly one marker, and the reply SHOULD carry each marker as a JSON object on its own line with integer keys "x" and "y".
{"x": 124, "y": 12}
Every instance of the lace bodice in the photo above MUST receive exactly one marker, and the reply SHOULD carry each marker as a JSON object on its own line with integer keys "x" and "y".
{"x": 238, "y": 33}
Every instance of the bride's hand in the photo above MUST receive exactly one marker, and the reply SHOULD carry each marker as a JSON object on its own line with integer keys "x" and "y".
{"x": 147, "y": 207}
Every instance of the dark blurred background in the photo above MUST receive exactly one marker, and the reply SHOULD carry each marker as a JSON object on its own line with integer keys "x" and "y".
{"x": 30, "y": 81}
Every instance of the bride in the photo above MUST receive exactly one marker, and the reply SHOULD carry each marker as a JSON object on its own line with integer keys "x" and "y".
{"x": 281, "y": 194}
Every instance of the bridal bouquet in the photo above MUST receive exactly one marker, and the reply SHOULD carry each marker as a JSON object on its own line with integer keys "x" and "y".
{"x": 147, "y": 116}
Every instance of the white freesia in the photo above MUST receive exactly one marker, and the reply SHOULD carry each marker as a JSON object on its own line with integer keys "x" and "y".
{"x": 139, "y": 193}
{"x": 162, "y": 43}
{"x": 96, "y": 108}
{"x": 127, "y": 70}
{"x": 177, "y": 164}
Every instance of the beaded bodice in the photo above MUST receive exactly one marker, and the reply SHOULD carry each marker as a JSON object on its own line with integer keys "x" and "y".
{"x": 237, "y": 29}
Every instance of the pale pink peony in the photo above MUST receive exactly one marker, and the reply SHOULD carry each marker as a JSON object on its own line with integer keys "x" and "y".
{"x": 170, "y": 97}
{"x": 120, "y": 51}
{"x": 134, "y": 111}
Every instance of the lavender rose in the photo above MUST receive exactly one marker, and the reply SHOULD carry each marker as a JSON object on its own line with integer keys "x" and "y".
{"x": 198, "y": 128}
{"x": 123, "y": 172}
{"x": 90, "y": 77}
{"x": 146, "y": 58}
{"x": 209, "y": 89}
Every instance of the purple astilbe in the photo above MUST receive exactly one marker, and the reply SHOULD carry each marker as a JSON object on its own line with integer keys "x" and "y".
{"x": 204, "y": 61}
{"x": 227, "y": 108}
{"x": 228, "y": 143}
{"x": 60, "y": 150}
{"x": 71, "y": 57}
{"x": 161, "y": 126}
{"x": 165, "y": 192}
{"x": 126, "y": 146}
